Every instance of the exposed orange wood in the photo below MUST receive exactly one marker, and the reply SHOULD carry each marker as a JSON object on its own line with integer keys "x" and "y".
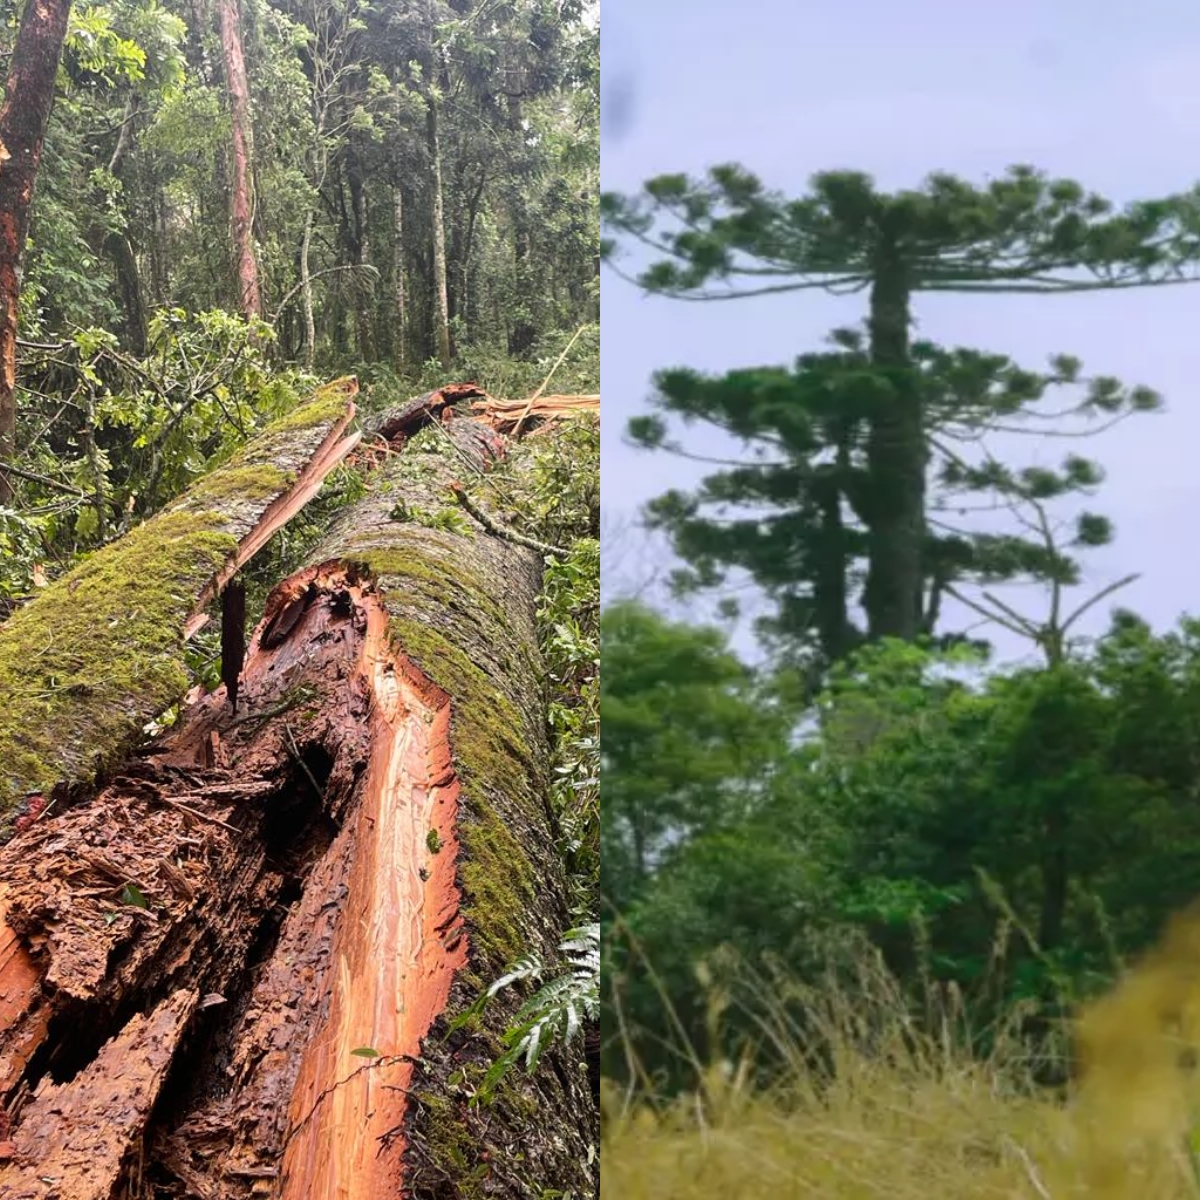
{"x": 23, "y": 1019}
{"x": 398, "y": 945}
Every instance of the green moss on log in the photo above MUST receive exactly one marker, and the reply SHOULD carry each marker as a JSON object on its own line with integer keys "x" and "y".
{"x": 327, "y": 404}
{"x": 98, "y": 653}
{"x": 261, "y": 481}
{"x": 85, "y": 665}
{"x": 429, "y": 575}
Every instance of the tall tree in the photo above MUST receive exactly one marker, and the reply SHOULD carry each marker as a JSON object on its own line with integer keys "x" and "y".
{"x": 28, "y": 95}
{"x": 241, "y": 205}
{"x": 1023, "y": 232}
{"x": 796, "y": 511}
{"x": 441, "y": 281}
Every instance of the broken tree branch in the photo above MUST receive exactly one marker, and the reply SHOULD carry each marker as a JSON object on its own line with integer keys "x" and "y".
{"x": 494, "y": 527}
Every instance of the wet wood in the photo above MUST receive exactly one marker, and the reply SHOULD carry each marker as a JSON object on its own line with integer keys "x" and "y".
{"x": 403, "y": 420}
{"x": 57, "y": 1153}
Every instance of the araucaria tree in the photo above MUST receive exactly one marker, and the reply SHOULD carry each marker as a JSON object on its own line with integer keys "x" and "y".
{"x": 855, "y": 432}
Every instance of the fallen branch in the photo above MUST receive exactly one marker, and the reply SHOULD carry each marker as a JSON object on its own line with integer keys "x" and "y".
{"x": 45, "y": 480}
{"x": 536, "y": 395}
{"x": 493, "y": 527}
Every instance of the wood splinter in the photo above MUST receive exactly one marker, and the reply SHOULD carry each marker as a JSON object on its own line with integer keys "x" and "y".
{"x": 233, "y": 637}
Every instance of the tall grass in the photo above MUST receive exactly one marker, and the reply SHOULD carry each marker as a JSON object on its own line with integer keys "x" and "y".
{"x": 866, "y": 1098}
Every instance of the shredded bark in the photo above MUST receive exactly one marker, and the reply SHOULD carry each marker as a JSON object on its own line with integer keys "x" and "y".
{"x": 508, "y": 416}
{"x": 408, "y": 418}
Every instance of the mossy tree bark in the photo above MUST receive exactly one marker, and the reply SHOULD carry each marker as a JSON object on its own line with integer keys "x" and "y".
{"x": 194, "y": 956}
{"x": 98, "y": 654}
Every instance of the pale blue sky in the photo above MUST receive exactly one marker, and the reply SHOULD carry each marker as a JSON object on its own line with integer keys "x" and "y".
{"x": 1107, "y": 93}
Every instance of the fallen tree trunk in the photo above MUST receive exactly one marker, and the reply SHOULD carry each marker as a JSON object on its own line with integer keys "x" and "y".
{"x": 87, "y": 663}
{"x": 504, "y": 416}
{"x": 193, "y": 957}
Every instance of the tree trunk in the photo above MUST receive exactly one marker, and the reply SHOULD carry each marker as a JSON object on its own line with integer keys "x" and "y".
{"x": 464, "y": 247}
{"x": 363, "y": 295}
{"x": 306, "y": 293}
{"x": 522, "y": 334}
{"x": 441, "y": 286}
{"x": 130, "y": 286}
{"x": 118, "y": 246}
{"x": 253, "y": 899}
{"x": 896, "y": 461}
{"x": 241, "y": 206}
{"x": 28, "y": 95}
{"x": 401, "y": 356}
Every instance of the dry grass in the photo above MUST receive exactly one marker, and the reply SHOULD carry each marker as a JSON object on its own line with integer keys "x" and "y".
{"x": 901, "y": 1113}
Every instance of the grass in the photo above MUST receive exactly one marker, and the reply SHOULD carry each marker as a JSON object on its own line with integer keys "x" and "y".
{"x": 902, "y": 1109}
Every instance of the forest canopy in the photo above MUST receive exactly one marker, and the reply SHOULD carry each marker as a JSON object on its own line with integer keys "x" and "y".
{"x": 236, "y": 200}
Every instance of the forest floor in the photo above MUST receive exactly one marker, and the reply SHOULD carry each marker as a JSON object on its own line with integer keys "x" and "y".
{"x": 918, "y": 1116}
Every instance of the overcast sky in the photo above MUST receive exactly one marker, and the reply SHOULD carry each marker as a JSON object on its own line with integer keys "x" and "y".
{"x": 1106, "y": 93}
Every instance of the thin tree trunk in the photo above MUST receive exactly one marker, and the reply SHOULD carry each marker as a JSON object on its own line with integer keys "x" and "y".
{"x": 240, "y": 198}
{"x": 363, "y": 294}
{"x": 441, "y": 286}
{"x": 521, "y": 334}
{"x": 28, "y": 96}
{"x": 401, "y": 355}
{"x": 130, "y": 286}
{"x": 117, "y": 245}
{"x": 306, "y": 293}
{"x": 338, "y": 869}
{"x": 465, "y": 304}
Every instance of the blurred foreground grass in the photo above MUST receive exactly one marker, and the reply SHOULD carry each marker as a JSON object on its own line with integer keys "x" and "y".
{"x": 872, "y": 1103}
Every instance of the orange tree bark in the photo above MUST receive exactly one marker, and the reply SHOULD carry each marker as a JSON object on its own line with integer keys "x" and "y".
{"x": 28, "y": 94}
{"x": 241, "y": 209}
{"x": 190, "y": 959}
